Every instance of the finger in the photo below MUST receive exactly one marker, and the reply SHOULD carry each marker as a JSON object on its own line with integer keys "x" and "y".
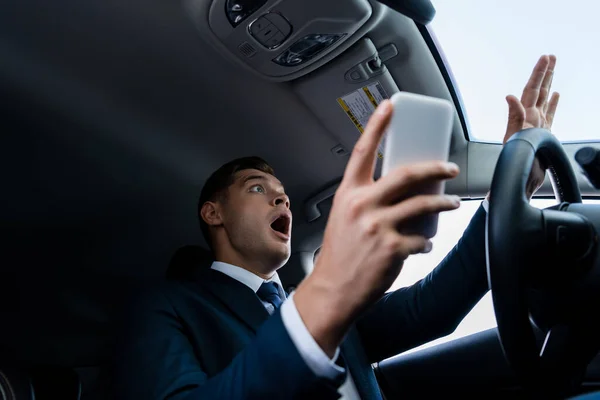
{"x": 516, "y": 117}
{"x": 417, "y": 206}
{"x": 403, "y": 180}
{"x": 532, "y": 88}
{"x": 546, "y": 83}
{"x": 361, "y": 165}
{"x": 552, "y": 105}
{"x": 414, "y": 244}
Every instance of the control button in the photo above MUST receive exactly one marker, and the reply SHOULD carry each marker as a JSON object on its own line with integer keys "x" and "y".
{"x": 266, "y": 34}
{"x": 258, "y": 25}
{"x": 275, "y": 41}
{"x": 238, "y": 10}
{"x": 355, "y": 75}
{"x": 281, "y": 23}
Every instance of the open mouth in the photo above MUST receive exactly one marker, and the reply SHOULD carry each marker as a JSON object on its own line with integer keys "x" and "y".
{"x": 281, "y": 224}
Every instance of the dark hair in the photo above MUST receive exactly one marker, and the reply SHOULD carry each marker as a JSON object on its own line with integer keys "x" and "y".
{"x": 215, "y": 186}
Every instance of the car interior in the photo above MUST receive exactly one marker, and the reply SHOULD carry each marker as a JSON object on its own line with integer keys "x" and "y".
{"x": 114, "y": 113}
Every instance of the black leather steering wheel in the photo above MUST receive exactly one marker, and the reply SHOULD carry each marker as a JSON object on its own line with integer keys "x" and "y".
{"x": 539, "y": 263}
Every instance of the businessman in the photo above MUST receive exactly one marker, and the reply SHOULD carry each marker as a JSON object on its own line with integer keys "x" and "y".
{"x": 235, "y": 334}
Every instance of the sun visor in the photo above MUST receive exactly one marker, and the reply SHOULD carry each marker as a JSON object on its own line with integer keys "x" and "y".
{"x": 344, "y": 93}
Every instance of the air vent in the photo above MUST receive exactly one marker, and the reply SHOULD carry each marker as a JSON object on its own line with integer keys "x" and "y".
{"x": 247, "y": 49}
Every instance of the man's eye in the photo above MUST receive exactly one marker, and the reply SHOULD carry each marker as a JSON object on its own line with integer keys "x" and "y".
{"x": 257, "y": 189}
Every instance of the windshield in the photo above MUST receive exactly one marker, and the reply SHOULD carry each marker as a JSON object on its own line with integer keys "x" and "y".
{"x": 492, "y": 46}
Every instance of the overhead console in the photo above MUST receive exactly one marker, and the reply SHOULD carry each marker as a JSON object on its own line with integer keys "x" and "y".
{"x": 280, "y": 39}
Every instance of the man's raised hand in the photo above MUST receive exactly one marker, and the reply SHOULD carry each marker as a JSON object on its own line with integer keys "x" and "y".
{"x": 363, "y": 251}
{"x": 534, "y": 110}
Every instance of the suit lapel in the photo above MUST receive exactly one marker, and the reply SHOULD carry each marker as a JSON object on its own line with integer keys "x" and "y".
{"x": 236, "y": 296}
{"x": 246, "y": 306}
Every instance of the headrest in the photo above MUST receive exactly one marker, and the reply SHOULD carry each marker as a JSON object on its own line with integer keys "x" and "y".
{"x": 188, "y": 262}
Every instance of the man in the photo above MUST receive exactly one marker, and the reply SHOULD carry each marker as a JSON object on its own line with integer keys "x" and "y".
{"x": 213, "y": 338}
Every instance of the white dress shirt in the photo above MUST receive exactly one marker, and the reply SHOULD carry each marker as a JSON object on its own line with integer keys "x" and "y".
{"x": 249, "y": 279}
{"x": 311, "y": 352}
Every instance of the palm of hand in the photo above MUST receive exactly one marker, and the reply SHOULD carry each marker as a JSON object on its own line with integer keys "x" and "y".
{"x": 535, "y": 118}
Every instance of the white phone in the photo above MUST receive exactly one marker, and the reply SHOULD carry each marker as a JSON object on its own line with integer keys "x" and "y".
{"x": 420, "y": 130}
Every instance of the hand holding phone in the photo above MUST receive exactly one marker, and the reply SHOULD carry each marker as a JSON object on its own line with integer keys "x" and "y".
{"x": 420, "y": 130}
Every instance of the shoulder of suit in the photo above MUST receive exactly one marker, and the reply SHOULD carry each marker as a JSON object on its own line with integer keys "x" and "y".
{"x": 160, "y": 294}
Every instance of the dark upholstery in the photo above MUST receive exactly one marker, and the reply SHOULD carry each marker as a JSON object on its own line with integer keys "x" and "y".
{"x": 38, "y": 383}
{"x": 188, "y": 262}
{"x": 51, "y": 382}
{"x": 15, "y": 384}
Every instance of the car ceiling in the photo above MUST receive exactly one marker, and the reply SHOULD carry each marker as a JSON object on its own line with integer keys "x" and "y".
{"x": 113, "y": 114}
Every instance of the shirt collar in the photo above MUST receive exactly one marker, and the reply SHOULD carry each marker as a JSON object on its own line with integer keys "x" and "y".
{"x": 244, "y": 276}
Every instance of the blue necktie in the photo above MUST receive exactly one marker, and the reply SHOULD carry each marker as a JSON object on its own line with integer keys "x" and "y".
{"x": 269, "y": 292}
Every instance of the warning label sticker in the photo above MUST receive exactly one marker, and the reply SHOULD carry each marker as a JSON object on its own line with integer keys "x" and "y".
{"x": 361, "y": 103}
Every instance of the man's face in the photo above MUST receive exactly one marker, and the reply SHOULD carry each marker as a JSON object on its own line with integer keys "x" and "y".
{"x": 257, "y": 219}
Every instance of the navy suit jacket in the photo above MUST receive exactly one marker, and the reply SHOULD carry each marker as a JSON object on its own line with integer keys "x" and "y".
{"x": 213, "y": 339}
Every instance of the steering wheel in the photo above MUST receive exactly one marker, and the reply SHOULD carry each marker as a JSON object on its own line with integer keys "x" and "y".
{"x": 542, "y": 268}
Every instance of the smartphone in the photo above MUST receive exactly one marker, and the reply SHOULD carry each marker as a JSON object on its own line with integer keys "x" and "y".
{"x": 420, "y": 130}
